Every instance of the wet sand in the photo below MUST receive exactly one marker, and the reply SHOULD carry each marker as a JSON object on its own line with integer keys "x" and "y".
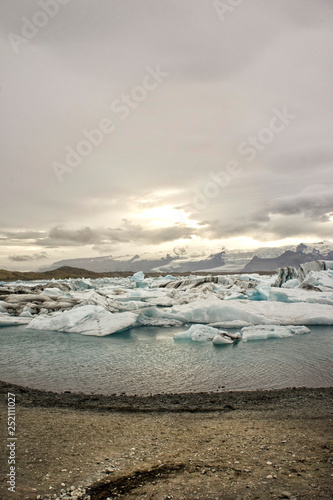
{"x": 232, "y": 445}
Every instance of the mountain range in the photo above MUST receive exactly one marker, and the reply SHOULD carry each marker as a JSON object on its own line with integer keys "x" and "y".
{"x": 261, "y": 259}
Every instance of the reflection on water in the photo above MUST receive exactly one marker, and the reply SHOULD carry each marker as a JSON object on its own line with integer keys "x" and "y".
{"x": 148, "y": 360}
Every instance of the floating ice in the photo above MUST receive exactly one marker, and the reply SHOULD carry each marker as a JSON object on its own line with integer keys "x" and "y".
{"x": 235, "y": 295}
{"x": 222, "y": 340}
{"x": 293, "y": 283}
{"x": 314, "y": 265}
{"x": 105, "y": 305}
{"x": 230, "y": 324}
{"x": 87, "y": 320}
{"x": 81, "y": 284}
{"x": 198, "y": 333}
{"x": 139, "y": 276}
{"x": 285, "y": 275}
{"x": 261, "y": 292}
{"x": 52, "y": 292}
{"x": 211, "y": 311}
{"x": 323, "y": 280}
{"x": 6, "y": 320}
{"x": 263, "y": 332}
{"x": 3, "y": 306}
{"x": 131, "y": 305}
{"x": 161, "y": 322}
{"x": 299, "y": 313}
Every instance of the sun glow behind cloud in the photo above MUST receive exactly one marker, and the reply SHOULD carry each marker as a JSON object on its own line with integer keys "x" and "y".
{"x": 165, "y": 216}
{"x": 138, "y": 189}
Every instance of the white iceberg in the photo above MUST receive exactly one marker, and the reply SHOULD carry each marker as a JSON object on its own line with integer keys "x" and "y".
{"x": 253, "y": 312}
{"x": 87, "y": 320}
{"x": 211, "y": 310}
{"x": 298, "y": 313}
{"x": 198, "y": 333}
{"x": 6, "y": 320}
{"x": 293, "y": 283}
{"x": 323, "y": 280}
{"x": 139, "y": 276}
{"x": 263, "y": 332}
{"x": 222, "y": 340}
{"x": 230, "y": 324}
{"x": 314, "y": 265}
{"x": 52, "y": 292}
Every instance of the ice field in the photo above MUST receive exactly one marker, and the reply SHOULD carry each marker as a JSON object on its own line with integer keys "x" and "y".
{"x": 240, "y": 331}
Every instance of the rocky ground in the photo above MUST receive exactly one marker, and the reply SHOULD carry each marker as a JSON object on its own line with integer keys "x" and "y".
{"x": 241, "y": 445}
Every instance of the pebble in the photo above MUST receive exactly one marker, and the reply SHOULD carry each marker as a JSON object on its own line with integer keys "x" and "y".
{"x": 285, "y": 494}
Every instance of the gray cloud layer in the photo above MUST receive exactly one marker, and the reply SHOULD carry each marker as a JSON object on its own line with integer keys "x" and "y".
{"x": 224, "y": 80}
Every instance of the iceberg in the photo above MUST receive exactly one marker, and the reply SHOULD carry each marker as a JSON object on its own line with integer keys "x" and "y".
{"x": 322, "y": 280}
{"x": 222, "y": 340}
{"x": 87, "y": 320}
{"x": 198, "y": 333}
{"x": 210, "y": 311}
{"x": 263, "y": 332}
{"x": 201, "y": 333}
{"x": 230, "y": 324}
{"x": 144, "y": 320}
{"x": 268, "y": 312}
{"x": 106, "y": 305}
{"x": 314, "y": 265}
{"x": 6, "y": 320}
{"x": 293, "y": 283}
{"x": 139, "y": 276}
{"x": 139, "y": 279}
{"x": 52, "y": 292}
{"x": 285, "y": 274}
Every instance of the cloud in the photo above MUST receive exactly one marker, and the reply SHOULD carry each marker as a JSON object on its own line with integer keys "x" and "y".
{"x": 225, "y": 78}
{"x": 63, "y": 236}
{"x": 102, "y": 237}
{"x": 27, "y": 258}
{"x": 315, "y": 202}
{"x": 271, "y": 228}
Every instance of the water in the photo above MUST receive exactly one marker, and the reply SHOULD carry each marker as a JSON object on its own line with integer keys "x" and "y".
{"x": 148, "y": 360}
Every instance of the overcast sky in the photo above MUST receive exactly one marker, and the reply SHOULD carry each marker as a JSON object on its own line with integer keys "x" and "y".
{"x": 215, "y": 126}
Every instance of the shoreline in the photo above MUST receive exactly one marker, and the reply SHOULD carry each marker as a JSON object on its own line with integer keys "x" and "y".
{"x": 197, "y": 446}
{"x": 171, "y": 402}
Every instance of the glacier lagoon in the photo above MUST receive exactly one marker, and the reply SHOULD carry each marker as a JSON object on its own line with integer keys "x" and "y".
{"x": 170, "y": 334}
{"x": 148, "y": 360}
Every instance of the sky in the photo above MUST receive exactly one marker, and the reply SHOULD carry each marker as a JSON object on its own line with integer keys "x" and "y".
{"x": 134, "y": 126}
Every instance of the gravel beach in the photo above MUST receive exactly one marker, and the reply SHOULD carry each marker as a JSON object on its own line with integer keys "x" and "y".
{"x": 232, "y": 445}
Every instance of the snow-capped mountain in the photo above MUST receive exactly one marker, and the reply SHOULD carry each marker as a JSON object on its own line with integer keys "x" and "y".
{"x": 261, "y": 259}
{"x": 301, "y": 254}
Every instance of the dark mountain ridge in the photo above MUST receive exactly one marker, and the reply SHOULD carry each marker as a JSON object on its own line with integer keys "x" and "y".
{"x": 288, "y": 258}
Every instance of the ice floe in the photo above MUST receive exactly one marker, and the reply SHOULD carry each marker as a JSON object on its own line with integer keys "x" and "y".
{"x": 206, "y": 304}
{"x": 262, "y": 332}
{"x": 222, "y": 340}
{"x": 197, "y": 333}
{"x": 6, "y": 320}
{"x": 201, "y": 333}
{"x": 87, "y": 320}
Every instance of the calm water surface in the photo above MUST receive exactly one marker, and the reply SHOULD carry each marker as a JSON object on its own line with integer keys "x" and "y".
{"x": 148, "y": 360}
